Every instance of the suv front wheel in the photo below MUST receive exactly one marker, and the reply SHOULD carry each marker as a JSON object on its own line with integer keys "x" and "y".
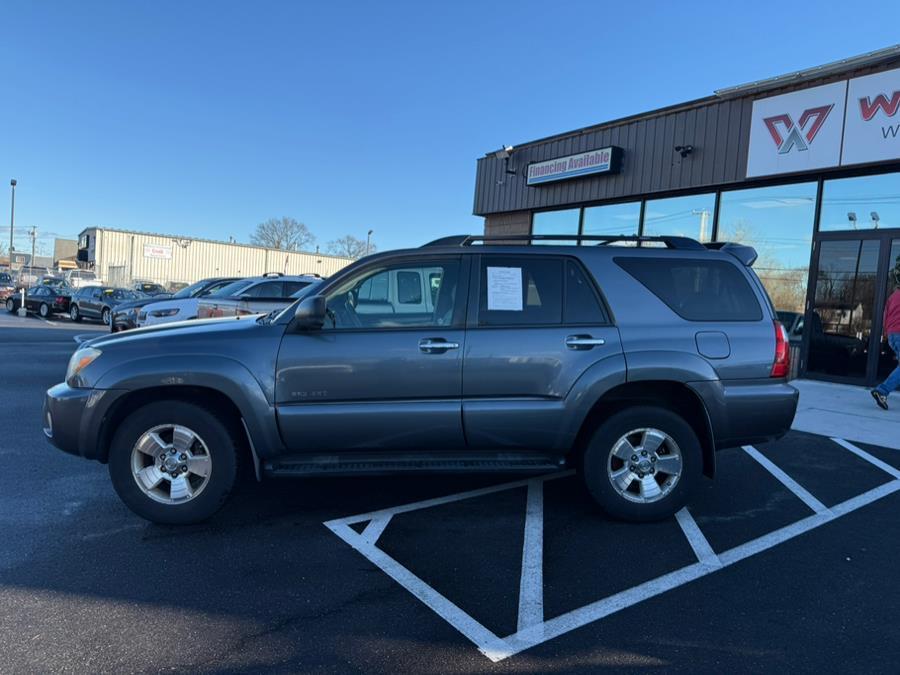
{"x": 642, "y": 464}
{"x": 174, "y": 462}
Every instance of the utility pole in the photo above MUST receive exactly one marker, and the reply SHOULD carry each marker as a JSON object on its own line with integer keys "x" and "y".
{"x": 33, "y": 240}
{"x": 12, "y": 222}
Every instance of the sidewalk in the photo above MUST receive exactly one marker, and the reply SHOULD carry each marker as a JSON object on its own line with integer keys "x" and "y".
{"x": 847, "y": 412}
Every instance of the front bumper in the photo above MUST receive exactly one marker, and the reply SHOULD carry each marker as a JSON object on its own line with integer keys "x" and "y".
{"x": 73, "y": 419}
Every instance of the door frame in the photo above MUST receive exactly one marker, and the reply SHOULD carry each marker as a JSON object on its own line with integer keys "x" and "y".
{"x": 884, "y": 237}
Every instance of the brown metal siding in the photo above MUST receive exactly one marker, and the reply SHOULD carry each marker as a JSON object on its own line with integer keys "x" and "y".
{"x": 718, "y": 129}
{"x": 650, "y": 163}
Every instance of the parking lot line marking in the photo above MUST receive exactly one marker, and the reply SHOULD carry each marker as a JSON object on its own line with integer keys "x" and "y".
{"x": 448, "y": 499}
{"x": 375, "y": 528}
{"x": 696, "y": 539}
{"x": 786, "y": 480}
{"x": 531, "y": 583}
{"x": 492, "y": 646}
{"x": 498, "y": 648}
{"x": 884, "y": 466}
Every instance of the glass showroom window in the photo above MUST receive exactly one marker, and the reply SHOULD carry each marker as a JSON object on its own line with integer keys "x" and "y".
{"x": 555, "y": 222}
{"x": 612, "y": 219}
{"x": 861, "y": 203}
{"x": 690, "y": 216}
{"x": 778, "y": 222}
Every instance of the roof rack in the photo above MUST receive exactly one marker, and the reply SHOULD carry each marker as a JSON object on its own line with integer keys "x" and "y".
{"x": 681, "y": 243}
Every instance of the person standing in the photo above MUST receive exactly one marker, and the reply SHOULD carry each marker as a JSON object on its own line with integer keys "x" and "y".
{"x": 891, "y": 328}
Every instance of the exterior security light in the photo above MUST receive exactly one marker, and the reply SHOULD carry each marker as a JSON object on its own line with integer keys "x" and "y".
{"x": 504, "y": 152}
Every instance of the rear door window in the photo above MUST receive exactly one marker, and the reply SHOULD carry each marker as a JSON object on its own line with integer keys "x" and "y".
{"x": 697, "y": 290}
{"x": 526, "y": 291}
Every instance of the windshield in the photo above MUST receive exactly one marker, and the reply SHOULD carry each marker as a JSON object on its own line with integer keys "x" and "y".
{"x": 233, "y": 288}
{"x": 190, "y": 291}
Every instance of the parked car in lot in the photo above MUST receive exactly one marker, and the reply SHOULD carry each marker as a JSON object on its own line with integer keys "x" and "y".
{"x": 42, "y": 300}
{"x": 183, "y": 305}
{"x": 54, "y": 281}
{"x": 82, "y": 278}
{"x": 29, "y": 276}
{"x": 98, "y": 302}
{"x": 7, "y": 285}
{"x": 128, "y": 315}
{"x": 632, "y": 364}
{"x": 256, "y": 295}
{"x": 152, "y": 289}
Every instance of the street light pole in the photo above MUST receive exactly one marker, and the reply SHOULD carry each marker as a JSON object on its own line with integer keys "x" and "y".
{"x": 368, "y": 241}
{"x": 12, "y": 221}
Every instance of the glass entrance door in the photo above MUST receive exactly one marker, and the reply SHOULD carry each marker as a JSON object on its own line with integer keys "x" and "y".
{"x": 843, "y": 318}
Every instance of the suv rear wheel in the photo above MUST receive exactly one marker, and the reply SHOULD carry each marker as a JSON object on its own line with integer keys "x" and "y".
{"x": 173, "y": 462}
{"x": 642, "y": 464}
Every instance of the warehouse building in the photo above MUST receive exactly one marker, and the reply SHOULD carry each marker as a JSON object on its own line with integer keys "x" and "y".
{"x": 120, "y": 257}
{"x": 805, "y": 167}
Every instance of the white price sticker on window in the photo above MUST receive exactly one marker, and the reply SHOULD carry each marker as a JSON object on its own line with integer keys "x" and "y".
{"x": 504, "y": 289}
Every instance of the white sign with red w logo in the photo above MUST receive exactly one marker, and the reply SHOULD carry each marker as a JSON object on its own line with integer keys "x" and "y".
{"x": 872, "y": 130}
{"x": 799, "y": 131}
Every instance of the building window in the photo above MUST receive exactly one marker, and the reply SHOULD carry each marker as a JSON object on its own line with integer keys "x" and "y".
{"x": 612, "y": 219}
{"x": 555, "y": 222}
{"x": 690, "y": 216}
{"x": 861, "y": 203}
{"x": 778, "y": 222}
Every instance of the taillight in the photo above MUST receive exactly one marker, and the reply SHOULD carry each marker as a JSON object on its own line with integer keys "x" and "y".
{"x": 60, "y": 301}
{"x": 782, "y": 365}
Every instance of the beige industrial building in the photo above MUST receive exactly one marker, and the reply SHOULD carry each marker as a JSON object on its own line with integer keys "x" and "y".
{"x": 120, "y": 257}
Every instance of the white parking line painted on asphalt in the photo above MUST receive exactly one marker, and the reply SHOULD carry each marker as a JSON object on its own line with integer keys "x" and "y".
{"x": 375, "y": 528}
{"x": 531, "y": 583}
{"x": 859, "y": 452}
{"x": 497, "y": 648}
{"x": 786, "y": 480}
{"x": 697, "y": 539}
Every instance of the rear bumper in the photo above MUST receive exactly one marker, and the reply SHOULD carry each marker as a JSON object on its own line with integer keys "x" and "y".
{"x": 72, "y": 419}
{"x": 745, "y": 412}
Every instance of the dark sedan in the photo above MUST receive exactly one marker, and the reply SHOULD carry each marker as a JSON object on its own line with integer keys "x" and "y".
{"x": 98, "y": 302}
{"x": 43, "y": 300}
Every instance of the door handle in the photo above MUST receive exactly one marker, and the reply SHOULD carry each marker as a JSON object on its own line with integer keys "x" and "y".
{"x": 436, "y": 345}
{"x": 583, "y": 342}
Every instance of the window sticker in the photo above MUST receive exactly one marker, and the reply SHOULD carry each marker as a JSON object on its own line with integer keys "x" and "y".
{"x": 504, "y": 289}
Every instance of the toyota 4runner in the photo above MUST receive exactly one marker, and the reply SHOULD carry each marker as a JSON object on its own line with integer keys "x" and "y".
{"x": 631, "y": 359}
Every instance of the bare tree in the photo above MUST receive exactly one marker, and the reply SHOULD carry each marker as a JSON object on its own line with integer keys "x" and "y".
{"x": 285, "y": 234}
{"x": 350, "y": 247}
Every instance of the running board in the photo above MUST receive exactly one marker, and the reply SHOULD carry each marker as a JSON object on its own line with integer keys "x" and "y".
{"x": 357, "y": 464}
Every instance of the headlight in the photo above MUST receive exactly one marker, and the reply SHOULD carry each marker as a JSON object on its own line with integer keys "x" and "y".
{"x": 164, "y": 312}
{"x": 80, "y": 360}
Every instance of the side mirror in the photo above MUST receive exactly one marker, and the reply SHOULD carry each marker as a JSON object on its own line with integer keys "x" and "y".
{"x": 310, "y": 313}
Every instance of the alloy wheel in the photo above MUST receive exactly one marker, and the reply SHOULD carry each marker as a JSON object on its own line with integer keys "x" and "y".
{"x": 644, "y": 465}
{"x": 171, "y": 464}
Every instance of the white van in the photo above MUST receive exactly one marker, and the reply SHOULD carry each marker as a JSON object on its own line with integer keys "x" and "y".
{"x": 82, "y": 278}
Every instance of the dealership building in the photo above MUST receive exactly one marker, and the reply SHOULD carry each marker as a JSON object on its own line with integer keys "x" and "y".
{"x": 805, "y": 167}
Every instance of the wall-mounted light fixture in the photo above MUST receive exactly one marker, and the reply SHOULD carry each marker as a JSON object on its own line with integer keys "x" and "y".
{"x": 684, "y": 150}
{"x": 875, "y": 218}
{"x": 504, "y": 154}
{"x": 851, "y": 216}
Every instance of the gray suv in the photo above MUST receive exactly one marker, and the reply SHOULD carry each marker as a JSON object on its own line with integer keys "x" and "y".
{"x": 631, "y": 359}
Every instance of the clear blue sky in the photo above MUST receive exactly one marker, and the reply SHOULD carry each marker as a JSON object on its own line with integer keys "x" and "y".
{"x": 205, "y": 118}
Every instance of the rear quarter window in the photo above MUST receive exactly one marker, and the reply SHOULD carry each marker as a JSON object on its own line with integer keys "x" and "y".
{"x": 697, "y": 290}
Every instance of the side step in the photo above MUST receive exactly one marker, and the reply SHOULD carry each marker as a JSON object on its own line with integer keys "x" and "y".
{"x": 356, "y": 464}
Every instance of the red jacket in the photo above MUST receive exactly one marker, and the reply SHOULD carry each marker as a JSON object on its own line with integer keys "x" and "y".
{"x": 892, "y": 314}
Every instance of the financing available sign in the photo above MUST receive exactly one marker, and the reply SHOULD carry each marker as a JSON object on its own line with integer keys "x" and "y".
{"x": 844, "y": 123}
{"x": 604, "y": 160}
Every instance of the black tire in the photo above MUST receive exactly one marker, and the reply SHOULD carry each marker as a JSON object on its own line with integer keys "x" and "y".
{"x": 10, "y": 305}
{"x": 105, "y": 316}
{"x": 74, "y": 314}
{"x": 221, "y": 440}
{"x": 607, "y": 435}
{"x": 44, "y": 310}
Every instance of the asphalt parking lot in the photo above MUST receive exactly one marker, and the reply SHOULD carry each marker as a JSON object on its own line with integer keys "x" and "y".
{"x": 788, "y": 560}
